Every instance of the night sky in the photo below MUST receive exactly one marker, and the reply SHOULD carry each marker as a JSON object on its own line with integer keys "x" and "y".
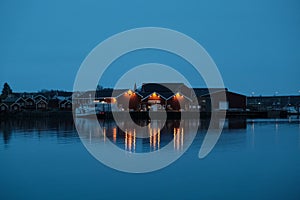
{"x": 255, "y": 44}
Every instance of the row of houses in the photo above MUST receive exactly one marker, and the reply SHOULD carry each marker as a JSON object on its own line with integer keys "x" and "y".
{"x": 17, "y": 102}
{"x": 151, "y": 96}
{"x": 169, "y": 96}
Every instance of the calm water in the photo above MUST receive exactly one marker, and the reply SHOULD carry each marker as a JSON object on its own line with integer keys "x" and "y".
{"x": 45, "y": 159}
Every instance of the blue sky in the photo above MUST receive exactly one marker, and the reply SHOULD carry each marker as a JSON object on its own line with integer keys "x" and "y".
{"x": 255, "y": 44}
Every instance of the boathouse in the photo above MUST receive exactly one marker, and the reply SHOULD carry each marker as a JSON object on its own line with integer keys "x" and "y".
{"x": 22, "y": 102}
{"x": 30, "y": 103}
{"x": 4, "y": 107}
{"x": 41, "y": 104}
{"x": 167, "y": 96}
{"x": 15, "y": 107}
{"x": 232, "y": 102}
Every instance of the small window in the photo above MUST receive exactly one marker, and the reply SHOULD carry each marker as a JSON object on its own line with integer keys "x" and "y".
{"x": 223, "y": 105}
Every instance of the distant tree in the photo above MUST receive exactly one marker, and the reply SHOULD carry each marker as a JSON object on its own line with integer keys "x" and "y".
{"x": 6, "y": 90}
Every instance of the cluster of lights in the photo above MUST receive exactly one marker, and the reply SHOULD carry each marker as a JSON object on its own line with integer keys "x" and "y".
{"x": 130, "y": 92}
{"x": 154, "y": 95}
{"x": 177, "y": 95}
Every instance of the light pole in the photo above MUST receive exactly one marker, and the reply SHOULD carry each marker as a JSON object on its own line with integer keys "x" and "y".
{"x": 278, "y": 101}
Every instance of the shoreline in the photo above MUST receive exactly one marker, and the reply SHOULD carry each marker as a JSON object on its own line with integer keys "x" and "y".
{"x": 145, "y": 115}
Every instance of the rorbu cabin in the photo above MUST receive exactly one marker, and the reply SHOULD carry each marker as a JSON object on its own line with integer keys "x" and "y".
{"x": 135, "y": 101}
{"x": 15, "y": 107}
{"x": 41, "y": 105}
{"x": 4, "y": 107}
{"x": 62, "y": 104}
{"x": 30, "y": 103}
{"x": 129, "y": 100}
{"x": 67, "y": 105}
{"x": 179, "y": 102}
{"x": 169, "y": 96}
{"x": 22, "y": 102}
{"x": 153, "y": 101}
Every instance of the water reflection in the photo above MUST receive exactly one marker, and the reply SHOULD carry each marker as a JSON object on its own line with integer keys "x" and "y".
{"x": 173, "y": 132}
{"x": 126, "y": 138}
{"x": 178, "y": 138}
{"x": 61, "y": 127}
{"x": 279, "y": 128}
{"x": 233, "y": 159}
{"x": 158, "y": 134}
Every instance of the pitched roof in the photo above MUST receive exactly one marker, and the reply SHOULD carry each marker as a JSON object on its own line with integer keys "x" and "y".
{"x": 29, "y": 98}
{"x": 41, "y": 100}
{"x": 162, "y": 87}
{"x": 206, "y": 91}
{"x": 166, "y": 89}
{"x": 4, "y": 104}
{"x": 110, "y": 92}
{"x": 150, "y": 93}
{"x": 20, "y": 99}
{"x": 15, "y": 104}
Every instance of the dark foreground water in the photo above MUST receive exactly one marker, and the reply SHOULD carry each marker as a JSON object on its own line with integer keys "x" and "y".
{"x": 45, "y": 159}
